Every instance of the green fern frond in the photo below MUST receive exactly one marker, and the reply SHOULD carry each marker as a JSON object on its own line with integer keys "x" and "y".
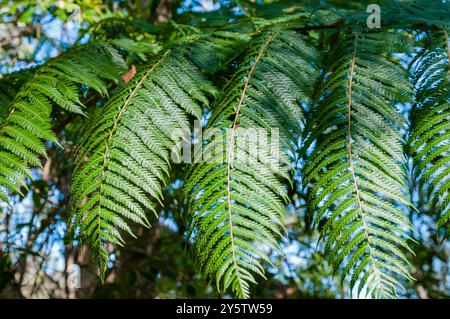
{"x": 355, "y": 171}
{"x": 9, "y": 86}
{"x": 430, "y": 137}
{"x": 27, "y": 125}
{"x": 217, "y": 49}
{"x": 125, "y": 155}
{"x": 236, "y": 195}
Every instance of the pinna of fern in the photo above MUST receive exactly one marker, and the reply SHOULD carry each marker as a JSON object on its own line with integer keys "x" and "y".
{"x": 430, "y": 130}
{"x": 355, "y": 173}
{"x": 27, "y": 124}
{"x": 124, "y": 157}
{"x": 235, "y": 195}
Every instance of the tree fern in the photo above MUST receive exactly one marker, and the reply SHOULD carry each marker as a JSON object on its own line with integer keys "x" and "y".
{"x": 236, "y": 204}
{"x": 347, "y": 114}
{"x": 356, "y": 168}
{"x": 430, "y": 137}
{"x": 28, "y": 123}
{"x": 123, "y": 162}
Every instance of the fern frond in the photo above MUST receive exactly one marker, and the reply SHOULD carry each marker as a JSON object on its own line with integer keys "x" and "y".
{"x": 125, "y": 155}
{"x": 356, "y": 168}
{"x": 236, "y": 194}
{"x": 27, "y": 125}
{"x": 9, "y": 86}
{"x": 430, "y": 129}
{"x": 217, "y": 49}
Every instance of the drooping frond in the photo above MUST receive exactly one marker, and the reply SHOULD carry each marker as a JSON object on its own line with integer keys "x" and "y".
{"x": 355, "y": 171}
{"x": 236, "y": 193}
{"x": 26, "y": 127}
{"x": 430, "y": 130}
{"x": 125, "y": 156}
